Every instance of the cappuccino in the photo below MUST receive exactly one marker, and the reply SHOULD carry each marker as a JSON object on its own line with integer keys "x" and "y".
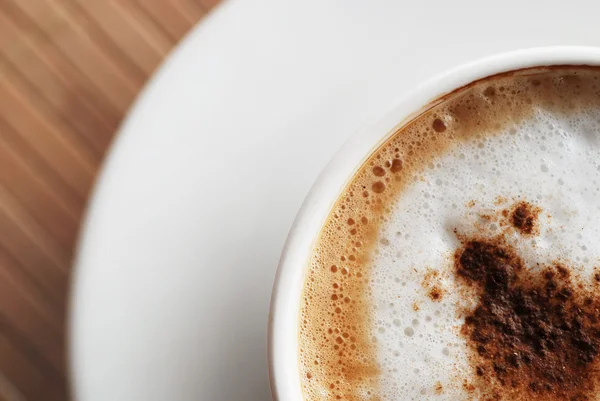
{"x": 460, "y": 262}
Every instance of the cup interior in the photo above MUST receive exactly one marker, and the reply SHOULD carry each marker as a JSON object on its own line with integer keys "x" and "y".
{"x": 285, "y": 300}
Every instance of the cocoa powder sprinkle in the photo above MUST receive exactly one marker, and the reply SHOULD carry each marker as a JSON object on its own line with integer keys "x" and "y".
{"x": 534, "y": 334}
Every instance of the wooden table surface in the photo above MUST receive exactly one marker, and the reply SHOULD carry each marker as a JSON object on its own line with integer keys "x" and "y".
{"x": 69, "y": 69}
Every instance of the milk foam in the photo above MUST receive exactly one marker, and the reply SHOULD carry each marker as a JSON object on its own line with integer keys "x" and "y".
{"x": 551, "y": 161}
{"x": 370, "y": 327}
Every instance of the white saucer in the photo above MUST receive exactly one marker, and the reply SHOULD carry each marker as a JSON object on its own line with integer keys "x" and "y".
{"x": 190, "y": 213}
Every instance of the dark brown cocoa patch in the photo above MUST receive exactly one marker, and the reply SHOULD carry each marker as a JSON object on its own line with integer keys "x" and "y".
{"x": 524, "y": 217}
{"x": 535, "y": 332}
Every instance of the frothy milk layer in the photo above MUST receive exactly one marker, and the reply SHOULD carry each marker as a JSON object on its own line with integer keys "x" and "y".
{"x": 382, "y": 309}
{"x": 548, "y": 161}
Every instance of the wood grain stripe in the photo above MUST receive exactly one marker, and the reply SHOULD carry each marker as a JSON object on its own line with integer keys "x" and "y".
{"x": 190, "y": 9}
{"x": 50, "y": 306}
{"x": 12, "y": 272}
{"x": 134, "y": 69}
{"x": 80, "y": 50}
{"x": 18, "y": 154}
{"x": 30, "y": 226}
{"x": 40, "y": 199}
{"x": 58, "y": 96}
{"x": 44, "y": 132}
{"x": 175, "y": 21}
{"x": 69, "y": 69}
{"x": 207, "y": 4}
{"x": 31, "y": 247}
{"x": 23, "y": 368}
{"x": 75, "y": 138}
{"x": 51, "y": 73}
{"x": 28, "y": 314}
{"x": 8, "y": 392}
{"x": 145, "y": 49}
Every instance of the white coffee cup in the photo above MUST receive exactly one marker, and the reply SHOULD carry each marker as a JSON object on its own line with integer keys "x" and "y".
{"x": 285, "y": 301}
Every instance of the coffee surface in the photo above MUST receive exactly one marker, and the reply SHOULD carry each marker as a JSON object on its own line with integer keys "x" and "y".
{"x": 460, "y": 260}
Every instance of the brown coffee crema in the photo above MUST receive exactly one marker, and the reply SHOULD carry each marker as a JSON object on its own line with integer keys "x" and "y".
{"x": 337, "y": 353}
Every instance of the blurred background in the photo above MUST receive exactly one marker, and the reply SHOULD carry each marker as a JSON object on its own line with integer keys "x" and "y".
{"x": 69, "y": 69}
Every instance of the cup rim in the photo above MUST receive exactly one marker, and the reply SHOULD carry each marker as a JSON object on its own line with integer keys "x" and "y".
{"x": 284, "y": 365}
